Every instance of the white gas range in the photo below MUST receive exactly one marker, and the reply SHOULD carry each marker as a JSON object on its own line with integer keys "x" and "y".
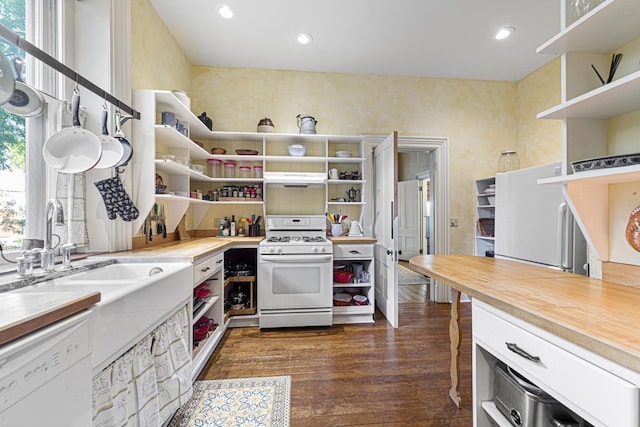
{"x": 295, "y": 267}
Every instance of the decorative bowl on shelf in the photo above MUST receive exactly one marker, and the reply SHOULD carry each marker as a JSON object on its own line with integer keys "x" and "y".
{"x": 606, "y": 162}
{"x": 342, "y": 276}
{"x": 342, "y": 299}
{"x": 198, "y": 168}
{"x": 246, "y": 152}
{"x": 297, "y": 150}
{"x": 218, "y": 151}
{"x": 360, "y": 300}
{"x": 343, "y": 153}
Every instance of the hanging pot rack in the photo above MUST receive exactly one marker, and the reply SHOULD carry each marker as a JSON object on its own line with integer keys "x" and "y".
{"x": 44, "y": 57}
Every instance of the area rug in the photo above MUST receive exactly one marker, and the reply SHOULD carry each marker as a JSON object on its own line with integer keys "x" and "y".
{"x": 260, "y": 401}
{"x": 410, "y": 277}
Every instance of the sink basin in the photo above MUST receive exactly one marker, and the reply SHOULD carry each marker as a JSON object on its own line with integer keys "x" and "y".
{"x": 132, "y": 303}
{"x": 114, "y": 273}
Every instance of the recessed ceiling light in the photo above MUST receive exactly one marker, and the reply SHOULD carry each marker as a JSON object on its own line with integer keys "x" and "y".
{"x": 504, "y": 32}
{"x": 226, "y": 11}
{"x": 304, "y": 38}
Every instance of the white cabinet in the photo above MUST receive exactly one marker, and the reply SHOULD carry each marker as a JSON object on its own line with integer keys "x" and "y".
{"x": 599, "y": 391}
{"x": 485, "y": 194}
{"x": 209, "y": 321}
{"x": 355, "y": 257}
{"x": 588, "y": 106}
{"x": 154, "y": 142}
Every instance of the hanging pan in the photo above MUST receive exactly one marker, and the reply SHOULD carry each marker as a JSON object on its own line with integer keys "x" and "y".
{"x": 25, "y": 101}
{"x": 7, "y": 81}
{"x": 112, "y": 148}
{"x": 73, "y": 149}
{"x": 126, "y": 145}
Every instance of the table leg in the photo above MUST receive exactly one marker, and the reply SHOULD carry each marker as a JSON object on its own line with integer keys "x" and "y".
{"x": 454, "y": 336}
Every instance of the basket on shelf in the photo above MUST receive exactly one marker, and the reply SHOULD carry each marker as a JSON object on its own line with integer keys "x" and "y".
{"x": 486, "y": 226}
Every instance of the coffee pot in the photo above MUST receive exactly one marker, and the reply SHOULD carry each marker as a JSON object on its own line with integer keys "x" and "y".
{"x": 352, "y": 193}
{"x": 306, "y": 123}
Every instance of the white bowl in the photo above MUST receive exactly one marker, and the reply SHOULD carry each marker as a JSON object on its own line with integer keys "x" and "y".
{"x": 343, "y": 153}
{"x": 198, "y": 168}
{"x": 297, "y": 150}
{"x": 183, "y": 98}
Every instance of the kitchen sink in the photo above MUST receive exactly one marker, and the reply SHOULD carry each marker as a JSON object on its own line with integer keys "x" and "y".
{"x": 114, "y": 273}
{"x": 132, "y": 304}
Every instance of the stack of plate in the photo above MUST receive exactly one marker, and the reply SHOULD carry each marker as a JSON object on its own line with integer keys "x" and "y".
{"x": 343, "y": 153}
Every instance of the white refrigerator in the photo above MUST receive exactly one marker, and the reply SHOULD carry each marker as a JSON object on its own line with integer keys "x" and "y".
{"x": 534, "y": 224}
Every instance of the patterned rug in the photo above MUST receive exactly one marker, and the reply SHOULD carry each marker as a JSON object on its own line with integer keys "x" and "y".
{"x": 260, "y": 401}
{"x": 410, "y": 277}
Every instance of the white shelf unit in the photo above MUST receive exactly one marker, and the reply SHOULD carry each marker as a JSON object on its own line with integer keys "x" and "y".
{"x": 153, "y": 140}
{"x": 485, "y": 208}
{"x": 588, "y": 105}
{"x": 209, "y": 271}
{"x": 347, "y": 255}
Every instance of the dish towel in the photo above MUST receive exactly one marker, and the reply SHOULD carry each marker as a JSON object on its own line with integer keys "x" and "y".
{"x": 172, "y": 364}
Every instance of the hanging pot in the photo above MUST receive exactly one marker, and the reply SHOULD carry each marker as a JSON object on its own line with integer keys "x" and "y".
{"x": 112, "y": 148}
{"x": 7, "y": 81}
{"x": 126, "y": 145}
{"x": 73, "y": 149}
{"x": 25, "y": 100}
{"x": 306, "y": 123}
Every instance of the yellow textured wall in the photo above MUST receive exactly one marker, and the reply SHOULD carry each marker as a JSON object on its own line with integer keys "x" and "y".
{"x": 157, "y": 60}
{"x": 478, "y": 117}
{"x": 538, "y": 141}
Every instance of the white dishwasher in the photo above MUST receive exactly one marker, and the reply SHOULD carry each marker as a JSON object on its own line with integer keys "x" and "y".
{"x": 45, "y": 377}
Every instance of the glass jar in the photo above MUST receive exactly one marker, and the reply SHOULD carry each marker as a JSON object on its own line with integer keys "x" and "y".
{"x": 245, "y": 171}
{"x": 229, "y": 169}
{"x": 508, "y": 161}
{"x": 257, "y": 171}
{"x": 215, "y": 168}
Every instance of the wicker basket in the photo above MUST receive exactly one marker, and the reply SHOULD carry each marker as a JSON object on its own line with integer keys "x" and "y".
{"x": 486, "y": 227}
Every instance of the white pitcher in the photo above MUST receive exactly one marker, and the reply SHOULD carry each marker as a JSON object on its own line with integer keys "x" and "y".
{"x": 306, "y": 123}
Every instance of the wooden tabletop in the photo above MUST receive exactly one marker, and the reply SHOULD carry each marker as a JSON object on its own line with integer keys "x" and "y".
{"x": 600, "y": 316}
{"x": 22, "y": 313}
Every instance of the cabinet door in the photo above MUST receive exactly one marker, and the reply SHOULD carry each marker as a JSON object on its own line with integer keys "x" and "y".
{"x": 386, "y": 227}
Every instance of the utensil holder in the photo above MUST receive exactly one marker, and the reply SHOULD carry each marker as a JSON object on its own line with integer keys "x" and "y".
{"x": 336, "y": 230}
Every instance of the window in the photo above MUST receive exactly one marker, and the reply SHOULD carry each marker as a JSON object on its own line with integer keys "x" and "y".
{"x": 24, "y": 180}
{"x": 12, "y": 142}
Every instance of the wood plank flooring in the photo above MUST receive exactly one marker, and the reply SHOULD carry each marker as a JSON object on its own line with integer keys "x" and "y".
{"x": 360, "y": 375}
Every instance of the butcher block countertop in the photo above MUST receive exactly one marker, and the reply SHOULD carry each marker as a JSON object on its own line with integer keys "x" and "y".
{"x": 600, "y": 316}
{"x": 190, "y": 250}
{"x": 342, "y": 240}
{"x": 21, "y": 314}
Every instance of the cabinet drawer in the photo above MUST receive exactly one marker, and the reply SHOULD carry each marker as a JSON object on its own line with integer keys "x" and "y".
{"x": 207, "y": 267}
{"x": 590, "y": 391}
{"x": 352, "y": 251}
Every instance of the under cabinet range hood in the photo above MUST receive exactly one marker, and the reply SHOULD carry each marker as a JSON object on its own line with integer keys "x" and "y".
{"x": 295, "y": 179}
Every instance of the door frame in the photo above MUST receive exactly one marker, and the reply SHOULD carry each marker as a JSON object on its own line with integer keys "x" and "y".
{"x": 439, "y": 148}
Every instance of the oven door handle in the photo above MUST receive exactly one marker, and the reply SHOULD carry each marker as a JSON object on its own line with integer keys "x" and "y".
{"x": 296, "y": 258}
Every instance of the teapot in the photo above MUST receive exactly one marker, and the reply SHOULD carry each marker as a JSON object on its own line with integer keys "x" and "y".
{"x": 352, "y": 193}
{"x": 306, "y": 123}
{"x": 206, "y": 120}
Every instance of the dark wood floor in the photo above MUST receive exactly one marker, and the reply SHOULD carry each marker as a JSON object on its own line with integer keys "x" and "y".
{"x": 360, "y": 375}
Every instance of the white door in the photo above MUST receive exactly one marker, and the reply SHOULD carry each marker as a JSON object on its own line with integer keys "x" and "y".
{"x": 385, "y": 226}
{"x": 409, "y": 238}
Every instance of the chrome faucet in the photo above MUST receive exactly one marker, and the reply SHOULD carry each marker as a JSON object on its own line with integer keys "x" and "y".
{"x": 54, "y": 213}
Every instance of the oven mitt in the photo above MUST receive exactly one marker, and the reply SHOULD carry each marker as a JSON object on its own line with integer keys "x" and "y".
{"x": 116, "y": 199}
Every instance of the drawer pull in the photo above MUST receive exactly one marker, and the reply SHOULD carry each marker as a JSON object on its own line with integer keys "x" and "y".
{"x": 205, "y": 269}
{"x": 219, "y": 261}
{"x": 354, "y": 252}
{"x": 520, "y": 352}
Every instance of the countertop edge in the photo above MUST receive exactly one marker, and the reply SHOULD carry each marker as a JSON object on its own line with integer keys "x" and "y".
{"x": 607, "y": 348}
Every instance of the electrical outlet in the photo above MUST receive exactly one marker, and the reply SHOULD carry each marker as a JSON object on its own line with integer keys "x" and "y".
{"x": 454, "y": 221}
